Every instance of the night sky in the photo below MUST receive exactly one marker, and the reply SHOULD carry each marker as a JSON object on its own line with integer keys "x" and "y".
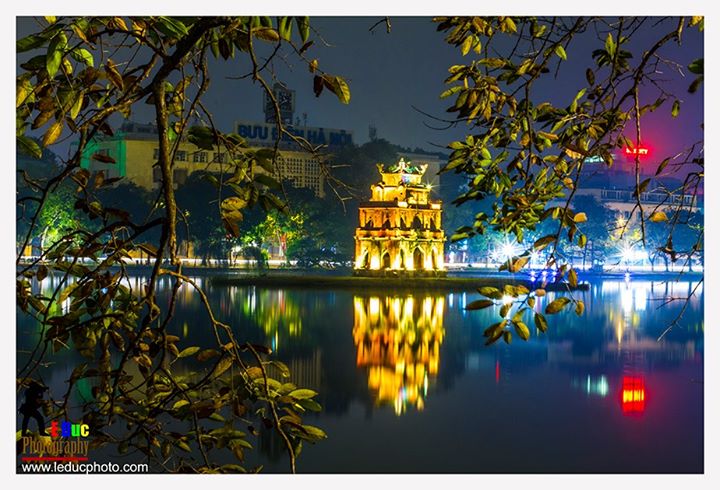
{"x": 388, "y": 74}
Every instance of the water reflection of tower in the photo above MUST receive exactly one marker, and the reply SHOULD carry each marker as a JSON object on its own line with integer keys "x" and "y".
{"x": 398, "y": 339}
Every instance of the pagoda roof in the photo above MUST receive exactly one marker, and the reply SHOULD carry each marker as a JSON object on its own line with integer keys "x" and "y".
{"x": 402, "y": 167}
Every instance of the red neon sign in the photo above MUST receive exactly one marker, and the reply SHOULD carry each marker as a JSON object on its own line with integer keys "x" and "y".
{"x": 633, "y": 394}
{"x": 637, "y": 151}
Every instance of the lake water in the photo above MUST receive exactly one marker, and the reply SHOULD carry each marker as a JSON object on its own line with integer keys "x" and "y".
{"x": 408, "y": 386}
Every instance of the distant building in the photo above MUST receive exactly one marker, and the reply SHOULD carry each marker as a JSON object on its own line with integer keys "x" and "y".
{"x": 259, "y": 134}
{"x": 615, "y": 188}
{"x": 266, "y": 134}
{"x": 400, "y": 228}
{"x": 135, "y": 150}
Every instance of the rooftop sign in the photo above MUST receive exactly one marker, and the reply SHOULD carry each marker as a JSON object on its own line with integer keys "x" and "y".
{"x": 265, "y": 134}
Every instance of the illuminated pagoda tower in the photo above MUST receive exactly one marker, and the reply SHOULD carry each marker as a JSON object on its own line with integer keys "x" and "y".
{"x": 400, "y": 230}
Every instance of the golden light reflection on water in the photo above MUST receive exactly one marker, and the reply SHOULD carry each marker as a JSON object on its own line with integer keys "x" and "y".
{"x": 398, "y": 340}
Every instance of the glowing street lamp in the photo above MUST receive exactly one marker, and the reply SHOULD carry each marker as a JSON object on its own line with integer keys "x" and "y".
{"x": 508, "y": 250}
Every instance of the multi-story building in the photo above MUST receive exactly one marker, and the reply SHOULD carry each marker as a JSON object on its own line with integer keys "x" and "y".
{"x": 615, "y": 186}
{"x": 135, "y": 150}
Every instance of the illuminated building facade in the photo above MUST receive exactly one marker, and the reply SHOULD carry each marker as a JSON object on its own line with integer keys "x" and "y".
{"x": 398, "y": 340}
{"x": 400, "y": 229}
{"x": 135, "y": 150}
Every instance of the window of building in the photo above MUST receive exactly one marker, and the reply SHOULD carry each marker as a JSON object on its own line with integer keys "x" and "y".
{"x": 219, "y": 158}
{"x": 156, "y": 154}
{"x": 157, "y": 174}
{"x": 200, "y": 157}
{"x": 181, "y": 156}
{"x": 180, "y": 175}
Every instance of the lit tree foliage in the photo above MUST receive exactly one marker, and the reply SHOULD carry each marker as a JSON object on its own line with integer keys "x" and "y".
{"x": 528, "y": 154}
{"x": 83, "y": 74}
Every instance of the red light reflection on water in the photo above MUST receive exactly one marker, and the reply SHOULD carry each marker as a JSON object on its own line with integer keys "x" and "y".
{"x": 633, "y": 394}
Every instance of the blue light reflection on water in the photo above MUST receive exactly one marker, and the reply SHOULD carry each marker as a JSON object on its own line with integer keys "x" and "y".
{"x": 407, "y": 384}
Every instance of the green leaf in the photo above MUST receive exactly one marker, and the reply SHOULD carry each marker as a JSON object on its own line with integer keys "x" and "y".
{"x": 557, "y": 305}
{"x": 65, "y": 294}
{"x": 504, "y": 309}
{"x": 28, "y": 146}
{"x": 494, "y": 332}
{"x": 543, "y": 242}
{"x": 285, "y": 27}
{"x": 518, "y": 264}
{"x": 266, "y": 180}
{"x": 541, "y": 322}
{"x": 582, "y": 240}
{"x": 522, "y": 330}
{"x": 27, "y": 43}
{"x": 202, "y": 137}
{"x": 75, "y": 110}
{"x": 490, "y": 292}
{"x": 695, "y": 84}
{"x": 179, "y": 404}
{"x": 302, "y": 394}
{"x": 675, "y": 108}
{"x": 662, "y": 166}
{"x": 590, "y": 76}
{"x": 303, "y": 24}
{"x": 223, "y": 366}
{"x": 53, "y": 133}
{"x": 54, "y": 55}
{"x": 572, "y": 278}
{"x": 698, "y": 66}
{"x": 579, "y": 307}
{"x": 114, "y": 75}
{"x": 466, "y": 45}
{"x": 266, "y": 34}
{"x": 190, "y": 351}
{"x": 314, "y": 432}
{"x": 479, "y": 304}
{"x": 560, "y": 51}
{"x": 338, "y": 86}
{"x": 610, "y": 45}
{"x": 82, "y": 55}
{"x": 171, "y": 27}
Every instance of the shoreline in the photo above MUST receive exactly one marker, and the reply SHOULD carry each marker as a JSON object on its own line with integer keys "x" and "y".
{"x": 457, "y": 280}
{"x": 390, "y": 283}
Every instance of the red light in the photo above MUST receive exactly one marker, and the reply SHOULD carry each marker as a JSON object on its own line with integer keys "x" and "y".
{"x": 633, "y": 394}
{"x": 637, "y": 151}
